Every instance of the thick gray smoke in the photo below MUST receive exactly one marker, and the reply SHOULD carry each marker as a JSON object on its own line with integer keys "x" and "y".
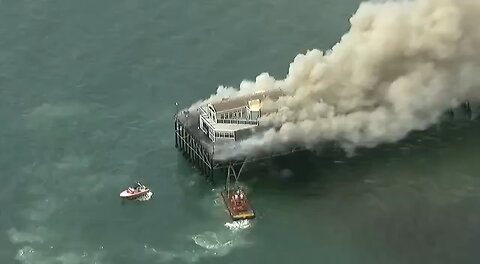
{"x": 398, "y": 69}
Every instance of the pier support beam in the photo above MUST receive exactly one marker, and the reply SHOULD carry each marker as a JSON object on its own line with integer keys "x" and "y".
{"x": 193, "y": 150}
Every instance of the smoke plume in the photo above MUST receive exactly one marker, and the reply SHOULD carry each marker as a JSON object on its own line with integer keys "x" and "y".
{"x": 398, "y": 69}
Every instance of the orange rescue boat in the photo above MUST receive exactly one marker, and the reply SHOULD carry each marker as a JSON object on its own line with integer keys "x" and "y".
{"x": 237, "y": 204}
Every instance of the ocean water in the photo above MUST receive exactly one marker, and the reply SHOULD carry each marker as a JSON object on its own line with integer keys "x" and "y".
{"x": 87, "y": 92}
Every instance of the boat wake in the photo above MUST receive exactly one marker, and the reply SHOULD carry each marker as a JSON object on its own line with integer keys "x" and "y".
{"x": 238, "y": 225}
{"x": 145, "y": 197}
{"x": 221, "y": 242}
{"x": 208, "y": 242}
{"x": 211, "y": 240}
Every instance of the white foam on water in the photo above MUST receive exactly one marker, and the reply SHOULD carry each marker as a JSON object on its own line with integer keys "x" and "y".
{"x": 162, "y": 255}
{"x": 210, "y": 240}
{"x": 80, "y": 258}
{"x": 145, "y": 197}
{"x": 238, "y": 225}
{"x": 42, "y": 209}
{"x": 208, "y": 243}
{"x": 46, "y": 114}
{"x": 26, "y": 237}
{"x": 37, "y": 242}
{"x": 30, "y": 255}
{"x": 47, "y": 110}
{"x": 223, "y": 241}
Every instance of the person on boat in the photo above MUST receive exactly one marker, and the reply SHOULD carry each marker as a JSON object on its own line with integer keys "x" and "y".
{"x": 139, "y": 186}
{"x": 239, "y": 194}
{"x": 235, "y": 200}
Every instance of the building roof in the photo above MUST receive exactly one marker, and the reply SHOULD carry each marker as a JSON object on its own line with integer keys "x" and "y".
{"x": 222, "y": 127}
{"x": 241, "y": 101}
{"x": 227, "y": 104}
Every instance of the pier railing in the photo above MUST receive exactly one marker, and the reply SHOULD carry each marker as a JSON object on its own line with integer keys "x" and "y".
{"x": 238, "y": 121}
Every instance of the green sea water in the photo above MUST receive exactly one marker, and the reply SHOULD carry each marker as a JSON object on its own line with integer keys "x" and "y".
{"x": 87, "y": 93}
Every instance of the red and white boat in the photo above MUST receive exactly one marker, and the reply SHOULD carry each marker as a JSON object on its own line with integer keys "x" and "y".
{"x": 135, "y": 192}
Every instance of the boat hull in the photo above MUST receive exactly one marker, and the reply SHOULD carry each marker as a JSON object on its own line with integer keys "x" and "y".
{"x": 126, "y": 195}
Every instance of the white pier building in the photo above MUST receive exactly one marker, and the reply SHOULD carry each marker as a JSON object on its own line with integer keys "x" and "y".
{"x": 228, "y": 119}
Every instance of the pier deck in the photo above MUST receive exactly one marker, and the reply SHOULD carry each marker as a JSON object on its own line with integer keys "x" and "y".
{"x": 196, "y": 146}
{"x": 200, "y": 150}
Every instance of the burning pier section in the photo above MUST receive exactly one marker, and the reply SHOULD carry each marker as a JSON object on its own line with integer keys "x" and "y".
{"x": 201, "y": 133}
{"x": 205, "y": 131}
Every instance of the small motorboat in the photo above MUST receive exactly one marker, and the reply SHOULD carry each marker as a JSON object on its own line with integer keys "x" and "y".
{"x": 135, "y": 192}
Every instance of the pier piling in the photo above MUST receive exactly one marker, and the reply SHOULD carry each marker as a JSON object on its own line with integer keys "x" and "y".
{"x": 189, "y": 144}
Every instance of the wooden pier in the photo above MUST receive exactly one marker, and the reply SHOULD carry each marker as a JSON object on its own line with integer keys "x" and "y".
{"x": 199, "y": 150}
{"x": 193, "y": 147}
